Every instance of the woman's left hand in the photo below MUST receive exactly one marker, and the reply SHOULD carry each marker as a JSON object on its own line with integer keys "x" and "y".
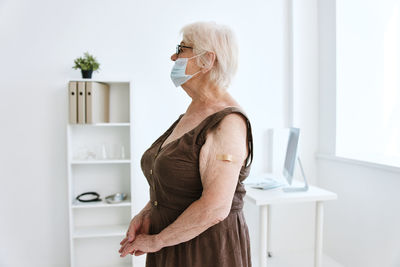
{"x": 143, "y": 243}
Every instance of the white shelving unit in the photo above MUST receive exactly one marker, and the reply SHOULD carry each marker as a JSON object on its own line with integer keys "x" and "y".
{"x": 96, "y": 228}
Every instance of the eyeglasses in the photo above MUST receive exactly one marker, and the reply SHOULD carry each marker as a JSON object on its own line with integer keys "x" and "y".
{"x": 179, "y": 48}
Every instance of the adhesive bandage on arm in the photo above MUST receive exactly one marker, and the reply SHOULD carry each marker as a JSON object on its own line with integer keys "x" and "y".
{"x": 225, "y": 157}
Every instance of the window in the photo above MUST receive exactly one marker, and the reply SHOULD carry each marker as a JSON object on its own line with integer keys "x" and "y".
{"x": 368, "y": 80}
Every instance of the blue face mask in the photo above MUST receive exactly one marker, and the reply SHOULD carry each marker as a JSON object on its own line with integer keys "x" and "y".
{"x": 178, "y": 72}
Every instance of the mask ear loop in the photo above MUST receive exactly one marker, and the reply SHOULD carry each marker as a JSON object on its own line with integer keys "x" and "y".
{"x": 200, "y": 67}
{"x": 198, "y": 55}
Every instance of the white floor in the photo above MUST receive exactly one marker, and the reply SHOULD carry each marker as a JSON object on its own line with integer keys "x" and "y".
{"x": 299, "y": 259}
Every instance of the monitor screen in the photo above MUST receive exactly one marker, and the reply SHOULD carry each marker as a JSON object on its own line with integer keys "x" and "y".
{"x": 291, "y": 154}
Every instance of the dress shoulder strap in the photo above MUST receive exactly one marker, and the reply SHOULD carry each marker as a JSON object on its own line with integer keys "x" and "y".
{"x": 214, "y": 120}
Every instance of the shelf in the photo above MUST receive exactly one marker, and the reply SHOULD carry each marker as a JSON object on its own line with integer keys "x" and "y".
{"x": 100, "y": 159}
{"x": 100, "y": 231}
{"x": 105, "y": 124}
{"x": 101, "y": 204}
{"x": 111, "y": 161}
{"x": 112, "y": 81}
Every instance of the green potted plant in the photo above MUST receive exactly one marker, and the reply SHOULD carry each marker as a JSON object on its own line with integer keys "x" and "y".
{"x": 87, "y": 65}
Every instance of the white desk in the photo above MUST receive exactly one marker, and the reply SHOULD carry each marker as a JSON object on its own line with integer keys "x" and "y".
{"x": 264, "y": 198}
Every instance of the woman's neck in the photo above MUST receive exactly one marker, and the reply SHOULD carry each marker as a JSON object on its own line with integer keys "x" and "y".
{"x": 206, "y": 100}
{"x": 207, "y": 97}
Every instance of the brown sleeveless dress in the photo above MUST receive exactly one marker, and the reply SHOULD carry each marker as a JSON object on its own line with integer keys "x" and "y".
{"x": 174, "y": 178}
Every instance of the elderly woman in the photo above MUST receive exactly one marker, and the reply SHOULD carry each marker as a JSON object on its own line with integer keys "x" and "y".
{"x": 196, "y": 168}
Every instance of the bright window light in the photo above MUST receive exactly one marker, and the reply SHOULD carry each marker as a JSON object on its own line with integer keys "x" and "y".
{"x": 368, "y": 85}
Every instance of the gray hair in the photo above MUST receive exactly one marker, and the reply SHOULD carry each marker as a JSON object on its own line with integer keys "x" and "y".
{"x": 217, "y": 38}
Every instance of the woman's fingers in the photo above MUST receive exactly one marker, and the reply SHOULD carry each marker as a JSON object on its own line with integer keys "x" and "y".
{"x": 124, "y": 246}
{"x": 131, "y": 251}
{"x": 131, "y": 236}
{"x": 123, "y": 241}
{"x": 135, "y": 228}
{"x": 127, "y": 250}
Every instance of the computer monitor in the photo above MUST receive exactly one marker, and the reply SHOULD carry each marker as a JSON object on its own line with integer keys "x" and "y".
{"x": 291, "y": 154}
{"x": 267, "y": 182}
{"x": 290, "y": 162}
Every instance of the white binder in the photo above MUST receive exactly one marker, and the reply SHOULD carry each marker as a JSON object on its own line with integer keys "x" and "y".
{"x": 73, "y": 102}
{"x": 97, "y": 102}
{"x": 81, "y": 103}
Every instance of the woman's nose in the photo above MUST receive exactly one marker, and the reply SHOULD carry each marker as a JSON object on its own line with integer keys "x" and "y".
{"x": 174, "y": 57}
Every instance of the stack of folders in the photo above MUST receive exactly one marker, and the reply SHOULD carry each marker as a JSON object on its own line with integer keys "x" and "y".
{"x": 89, "y": 102}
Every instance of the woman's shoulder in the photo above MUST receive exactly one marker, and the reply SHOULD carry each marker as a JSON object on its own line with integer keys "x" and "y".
{"x": 233, "y": 112}
{"x": 229, "y": 117}
{"x": 232, "y": 117}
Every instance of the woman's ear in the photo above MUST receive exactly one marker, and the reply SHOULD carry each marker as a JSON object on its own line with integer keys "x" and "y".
{"x": 210, "y": 58}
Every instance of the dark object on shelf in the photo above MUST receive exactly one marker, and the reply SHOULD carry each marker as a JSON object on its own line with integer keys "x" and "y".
{"x": 87, "y": 74}
{"x": 96, "y": 198}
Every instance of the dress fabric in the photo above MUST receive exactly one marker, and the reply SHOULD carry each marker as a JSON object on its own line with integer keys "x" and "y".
{"x": 174, "y": 178}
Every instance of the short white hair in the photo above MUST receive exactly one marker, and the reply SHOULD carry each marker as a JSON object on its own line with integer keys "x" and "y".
{"x": 217, "y": 38}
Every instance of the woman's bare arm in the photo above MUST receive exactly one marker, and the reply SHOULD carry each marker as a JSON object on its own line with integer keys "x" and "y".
{"x": 219, "y": 179}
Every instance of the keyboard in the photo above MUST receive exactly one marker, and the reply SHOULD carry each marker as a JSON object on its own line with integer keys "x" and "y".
{"x": 264, "y": 183}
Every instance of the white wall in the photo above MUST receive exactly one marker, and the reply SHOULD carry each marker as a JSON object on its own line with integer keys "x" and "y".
{"x": 361, "y": 226}
{"x": 292, "y": 226}
{"x": 134, "y": 40}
